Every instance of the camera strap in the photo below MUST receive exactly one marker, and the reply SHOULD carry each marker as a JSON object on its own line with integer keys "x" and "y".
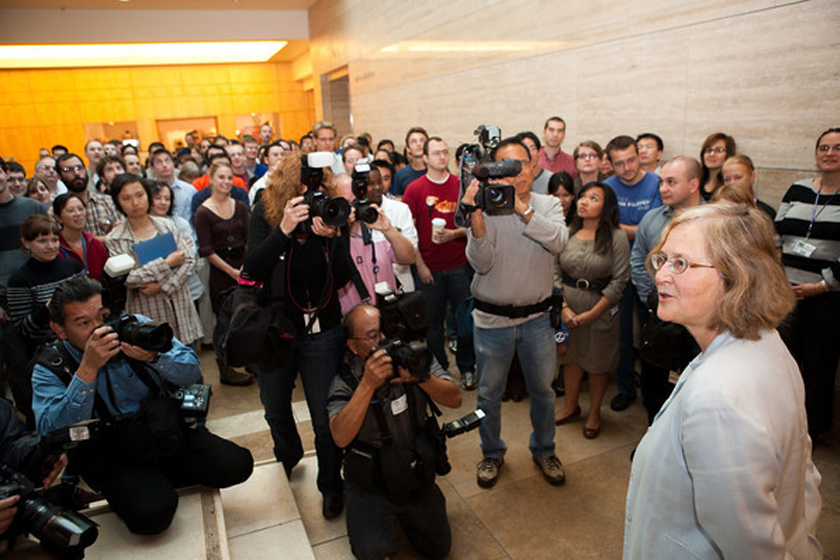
{"x": 323, "y": 299}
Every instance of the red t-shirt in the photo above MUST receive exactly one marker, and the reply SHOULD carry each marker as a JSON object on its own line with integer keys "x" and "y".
{"x": 428, "y": 200}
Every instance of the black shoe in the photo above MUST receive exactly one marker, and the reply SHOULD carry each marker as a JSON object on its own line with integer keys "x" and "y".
{"x": 333, "y": 504}
{"x": 621, "y": 401}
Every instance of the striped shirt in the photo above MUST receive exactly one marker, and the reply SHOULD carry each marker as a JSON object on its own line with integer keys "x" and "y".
{"x": 30, "y": 287}
{"x": 810, "y": 258}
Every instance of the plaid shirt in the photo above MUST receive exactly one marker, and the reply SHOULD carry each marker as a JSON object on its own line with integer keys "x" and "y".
{"x": 101, "y": 214}
{"x": 173, "y": 303}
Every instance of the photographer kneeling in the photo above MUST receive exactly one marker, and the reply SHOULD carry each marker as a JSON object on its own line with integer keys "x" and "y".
{"x": 145, "y": 450}
{"x": 380, "y": 417}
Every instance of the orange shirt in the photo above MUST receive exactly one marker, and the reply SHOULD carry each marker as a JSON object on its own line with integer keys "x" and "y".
{"x": 204, "y": 181}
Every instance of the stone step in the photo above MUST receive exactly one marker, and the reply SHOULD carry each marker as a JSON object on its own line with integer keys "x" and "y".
{"x": 255, "y": 520}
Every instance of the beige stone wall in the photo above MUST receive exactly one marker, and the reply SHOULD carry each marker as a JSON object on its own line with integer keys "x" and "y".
{"x": 764, "y": 71}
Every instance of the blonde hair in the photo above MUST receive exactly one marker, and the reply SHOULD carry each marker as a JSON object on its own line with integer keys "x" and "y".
{"x": 740, "y": 244}
{"x": 284, "y": 184}
{"x": 741, "y": 159}
{"x": 730, "y": 193}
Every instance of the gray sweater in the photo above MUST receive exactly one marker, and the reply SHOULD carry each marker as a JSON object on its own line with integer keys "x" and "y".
{"x": 514, "y": 261}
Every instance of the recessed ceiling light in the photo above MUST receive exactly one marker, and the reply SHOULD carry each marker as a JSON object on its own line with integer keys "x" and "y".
{"x": 136, "y": 54}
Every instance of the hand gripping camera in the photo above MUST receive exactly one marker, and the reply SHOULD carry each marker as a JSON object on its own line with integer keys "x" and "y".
{"x": 477, "y": 163}
{"x": 49, "y": 514}
{"x": 334, "y": 211}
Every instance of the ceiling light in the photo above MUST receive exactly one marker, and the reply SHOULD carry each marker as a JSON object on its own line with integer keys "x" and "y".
{"x": 136, "y": 54}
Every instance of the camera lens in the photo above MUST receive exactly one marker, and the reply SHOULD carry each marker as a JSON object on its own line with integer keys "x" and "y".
{"x": 496, "y": 197}
{"x": 156, "y": 337}
{"x": 334, "y": 211}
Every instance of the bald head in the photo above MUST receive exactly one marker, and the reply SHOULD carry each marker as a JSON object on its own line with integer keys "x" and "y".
{"x": 344, "y": 183}
{"x": 680, "y": 182}
{"x": 690, "y": 167}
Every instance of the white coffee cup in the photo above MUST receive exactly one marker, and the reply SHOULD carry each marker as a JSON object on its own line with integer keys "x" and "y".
{"x": 437, "y": 226}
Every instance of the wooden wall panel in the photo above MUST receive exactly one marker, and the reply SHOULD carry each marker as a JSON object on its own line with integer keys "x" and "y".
{"x": 40, "y": 108}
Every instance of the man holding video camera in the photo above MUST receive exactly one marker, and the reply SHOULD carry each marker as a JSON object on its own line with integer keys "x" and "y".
{"x": 378, "y": 414}
{"x": 512, "y": 252}
{"x": 145, "y": 449}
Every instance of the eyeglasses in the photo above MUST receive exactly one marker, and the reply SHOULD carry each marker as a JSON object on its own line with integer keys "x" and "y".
{"x": 717, "y": 150}
{"x": 69, "y": 168}
{"x": 587, "y": 156}
{"x": 825, "y": 148}
{"x": 373, "y": 337}
{"x": 678, "y": 265}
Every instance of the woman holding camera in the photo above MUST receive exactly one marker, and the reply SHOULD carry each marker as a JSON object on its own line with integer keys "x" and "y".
{"x": 158, "y": 288}
{"x": 302, "y": 263}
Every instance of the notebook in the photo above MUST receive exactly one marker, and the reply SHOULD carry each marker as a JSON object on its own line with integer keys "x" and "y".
{"x": 157, "y": 247}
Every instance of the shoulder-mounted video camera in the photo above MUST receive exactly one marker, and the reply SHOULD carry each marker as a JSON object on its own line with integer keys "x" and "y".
{"x": 476, "y": 162}
{"x": 334, "y": 211}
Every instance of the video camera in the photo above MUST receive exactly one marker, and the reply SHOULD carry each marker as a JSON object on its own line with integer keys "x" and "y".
{"x": 364, "y": 208}
{"x": 49, "y": 514}
{"x": 334, "y": 211}
{"x": 477, "y": 163}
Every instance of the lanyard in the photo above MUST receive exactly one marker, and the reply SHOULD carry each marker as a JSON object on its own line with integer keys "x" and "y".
{"x": 66, "y": 254}
{"x": 814, "y": 213}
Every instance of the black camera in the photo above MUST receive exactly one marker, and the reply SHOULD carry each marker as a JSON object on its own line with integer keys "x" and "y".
{"x": 493, "y": 196}
{"x": 194, "y": 400}
{"x": 151, "y": 335}
{"x": 58, "y": 528}
{"x": 477, "y": 163}
{"x": 413, "y": 356}
{"x": 364, "y": 208}
{"x": 404, "y": 316}
{"x": 334, "y": 211}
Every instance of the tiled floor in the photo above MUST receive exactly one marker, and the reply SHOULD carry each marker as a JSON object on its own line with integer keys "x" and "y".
{"x": 522, "y": 517}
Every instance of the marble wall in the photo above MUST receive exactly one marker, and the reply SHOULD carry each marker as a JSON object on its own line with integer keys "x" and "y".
{"x": 764, "y": 71}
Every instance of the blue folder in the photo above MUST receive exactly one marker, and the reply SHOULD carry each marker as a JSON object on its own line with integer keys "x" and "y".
{"x": 159, "y": 246}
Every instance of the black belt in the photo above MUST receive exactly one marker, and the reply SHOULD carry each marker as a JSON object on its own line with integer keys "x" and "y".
{"x": 596, "y": 286}
{"x": 513, "y": 311}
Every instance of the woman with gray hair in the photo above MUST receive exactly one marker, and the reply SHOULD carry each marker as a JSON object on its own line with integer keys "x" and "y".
{"x": 725, "y": 470}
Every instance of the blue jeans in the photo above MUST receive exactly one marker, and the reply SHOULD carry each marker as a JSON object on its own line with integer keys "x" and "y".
{"x": 626, "y": 374}
{"x": 317, "y": 359}
{"x": 451, "y": 286}
{"x": 534, "y": 341}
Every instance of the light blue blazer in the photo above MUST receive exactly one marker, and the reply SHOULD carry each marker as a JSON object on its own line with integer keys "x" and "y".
{"x": 725, "y": 469}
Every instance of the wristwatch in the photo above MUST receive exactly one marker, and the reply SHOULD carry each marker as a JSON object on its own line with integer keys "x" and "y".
{"x": 527, "y": 213}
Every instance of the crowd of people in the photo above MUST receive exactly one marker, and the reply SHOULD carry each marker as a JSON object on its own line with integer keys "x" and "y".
{"x": 592, "y": 243}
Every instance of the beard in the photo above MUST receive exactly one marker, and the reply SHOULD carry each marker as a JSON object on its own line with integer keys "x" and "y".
{"x": 77, "y": 184}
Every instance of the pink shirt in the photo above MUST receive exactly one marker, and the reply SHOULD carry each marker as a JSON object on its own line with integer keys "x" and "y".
{"x": 371, "y": 273}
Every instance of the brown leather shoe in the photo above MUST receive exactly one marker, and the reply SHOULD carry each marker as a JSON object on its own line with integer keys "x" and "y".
{"x": 570, "y": 418}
